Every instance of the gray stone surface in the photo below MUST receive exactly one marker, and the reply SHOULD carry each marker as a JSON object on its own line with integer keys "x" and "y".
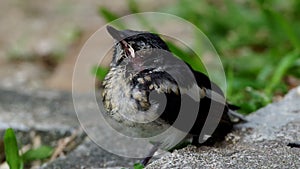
{"x": 259, "y": 143}
{"x": 90, "y": 155}
{"x": 51, "y": 115}
{"x": 262, "y": 155}
{"x": 43, "y": 110}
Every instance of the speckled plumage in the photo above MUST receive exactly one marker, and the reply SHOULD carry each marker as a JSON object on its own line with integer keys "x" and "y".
{"x": 142, "y": 66}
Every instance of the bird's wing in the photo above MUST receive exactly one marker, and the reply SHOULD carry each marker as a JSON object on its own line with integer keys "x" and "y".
{"x": 211, "y": 87}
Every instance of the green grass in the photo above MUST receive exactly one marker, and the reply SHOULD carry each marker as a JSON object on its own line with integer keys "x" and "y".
{"x": 16, "y": 160}
{"x": 13, "y": 158}
{"x": 258, "y": 42}
{"x": 40, "y": 153}
{"x": 138, "y": 166}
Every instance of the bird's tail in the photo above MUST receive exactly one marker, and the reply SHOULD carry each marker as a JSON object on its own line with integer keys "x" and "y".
{"x": 234, "y": 116}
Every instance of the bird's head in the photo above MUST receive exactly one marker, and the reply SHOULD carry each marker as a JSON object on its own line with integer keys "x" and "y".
{"x": 135, "y": 47}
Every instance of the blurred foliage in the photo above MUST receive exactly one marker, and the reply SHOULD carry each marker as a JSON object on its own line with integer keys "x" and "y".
{"x": 138, "y": 166}
{"x": 99, "y": 72}
{"x": 40, "y": 153}
{"x": 258, "y": 42}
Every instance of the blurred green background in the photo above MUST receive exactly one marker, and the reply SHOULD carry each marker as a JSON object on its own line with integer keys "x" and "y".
{"x": 258, "y": 42}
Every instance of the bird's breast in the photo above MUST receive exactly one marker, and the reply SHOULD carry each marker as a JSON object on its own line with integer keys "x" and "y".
{"x": 122, "y": 102}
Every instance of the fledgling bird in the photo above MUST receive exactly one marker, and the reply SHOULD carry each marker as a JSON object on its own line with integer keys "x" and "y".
{"x": 148, "y": 90}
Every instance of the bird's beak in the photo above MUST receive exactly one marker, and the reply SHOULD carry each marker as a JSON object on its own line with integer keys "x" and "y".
{"x": 116, "y": 34}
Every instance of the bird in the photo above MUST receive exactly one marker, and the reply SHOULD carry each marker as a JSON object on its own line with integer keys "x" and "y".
{"x": 149, "y": 90}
